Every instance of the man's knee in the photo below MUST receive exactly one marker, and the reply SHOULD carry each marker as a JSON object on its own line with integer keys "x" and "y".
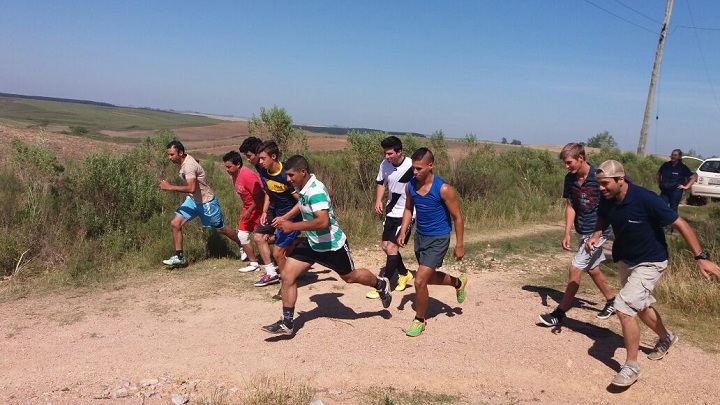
{"x": 177, "y": 222}
{"x": 279, "y": 253}
{"x": 574, "y": 274}
{"x": 259, "y": 238}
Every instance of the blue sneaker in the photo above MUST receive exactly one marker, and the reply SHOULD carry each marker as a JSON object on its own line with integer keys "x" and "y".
{"x": 267, "y": 280}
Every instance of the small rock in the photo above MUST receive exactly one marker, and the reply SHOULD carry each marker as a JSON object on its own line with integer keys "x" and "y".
{"x": 178, "y": 399}
{"x": 121, "y": 392}
{"x": 148, "y": 382}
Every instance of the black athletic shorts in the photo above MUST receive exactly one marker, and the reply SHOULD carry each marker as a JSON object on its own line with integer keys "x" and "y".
{"x": 338, "y": 260}
{"x": 266, "y": 228}
{"x": 391, "y": 229}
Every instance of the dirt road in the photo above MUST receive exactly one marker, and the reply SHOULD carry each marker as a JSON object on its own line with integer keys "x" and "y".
{"x": 196, "y": 333}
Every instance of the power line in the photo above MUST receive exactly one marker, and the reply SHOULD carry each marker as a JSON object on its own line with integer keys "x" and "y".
{"x": 697, "y": 28}
{"x": 621, "y": 18}
{"x": 702, "y": 55}
{"x": 637, "y": 12}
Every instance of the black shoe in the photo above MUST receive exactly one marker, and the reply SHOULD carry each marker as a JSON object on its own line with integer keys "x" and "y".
{"x": 553, "y": 318}
{"x": 385, "y": 295}
{"x": 608, "y": 310}
{"x": 278, "y": 328}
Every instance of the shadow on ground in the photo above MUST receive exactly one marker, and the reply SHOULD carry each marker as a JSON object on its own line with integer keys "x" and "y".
{"x": 329, "y": 306}
{"x": 435, "y": 307}
{"x": 605, "y": 341}
{"x": 555, "y": 295}
{"x": 313, "y": 276}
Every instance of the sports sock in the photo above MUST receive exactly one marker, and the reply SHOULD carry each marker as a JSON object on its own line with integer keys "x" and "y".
{"x": 402, "y": 270}
{"x": 421, "y": 320}
{"x": 270, "y": 270}
{"x": 288, "y": 313}
{"x": 457, "y": 283}
{"x": 391, "y": 265}
{"x": 179, "y": 254}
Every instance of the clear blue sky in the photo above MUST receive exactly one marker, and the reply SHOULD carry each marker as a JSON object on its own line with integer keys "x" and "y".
{"x": 540, "y": 71}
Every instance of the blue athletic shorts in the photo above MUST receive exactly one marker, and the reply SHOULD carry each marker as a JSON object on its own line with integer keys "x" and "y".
{"x": 209, "y": 212}
{"x": 283, "y": 239}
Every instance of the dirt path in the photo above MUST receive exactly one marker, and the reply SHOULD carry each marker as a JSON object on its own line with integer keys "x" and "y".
{"x": 197, "y": 332}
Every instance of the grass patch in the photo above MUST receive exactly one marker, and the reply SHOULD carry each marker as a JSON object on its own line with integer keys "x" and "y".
{"x": 281, "y": 390}
{"x": 392, "y": 396}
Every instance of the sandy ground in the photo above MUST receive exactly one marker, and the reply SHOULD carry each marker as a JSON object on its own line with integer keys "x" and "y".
{"x": 197, "y": 332}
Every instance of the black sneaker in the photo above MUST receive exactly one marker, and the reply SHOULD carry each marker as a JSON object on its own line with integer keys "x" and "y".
{"x": 553, "y": 318}
{"x": 278, "y": 328}
{"x": 385, "y": 295}
{"x": 608, "y": 310}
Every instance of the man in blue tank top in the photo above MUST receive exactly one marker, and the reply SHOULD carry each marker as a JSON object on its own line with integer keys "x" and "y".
{"x": 435, "y": 204}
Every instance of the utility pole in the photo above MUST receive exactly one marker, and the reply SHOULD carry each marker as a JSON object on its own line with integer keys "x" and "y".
{"x": 653, "y": 81}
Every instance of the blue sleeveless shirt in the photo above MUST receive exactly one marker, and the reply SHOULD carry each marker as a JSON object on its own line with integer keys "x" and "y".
{"x": 432, "y": 216}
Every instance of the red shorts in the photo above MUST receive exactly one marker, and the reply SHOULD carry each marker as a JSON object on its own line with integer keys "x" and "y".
{"x": 249, "y": 225}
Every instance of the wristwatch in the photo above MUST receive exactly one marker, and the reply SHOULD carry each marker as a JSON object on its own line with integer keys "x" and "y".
{"x": 704, "y": 255}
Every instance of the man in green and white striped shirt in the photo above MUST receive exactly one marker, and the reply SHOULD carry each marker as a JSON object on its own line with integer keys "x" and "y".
{"x": 326, "y": 243}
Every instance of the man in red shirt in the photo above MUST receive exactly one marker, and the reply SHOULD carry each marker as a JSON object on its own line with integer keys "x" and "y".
{"x": 247, "y": 185}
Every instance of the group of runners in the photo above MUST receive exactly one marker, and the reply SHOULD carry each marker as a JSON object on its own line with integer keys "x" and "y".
{"x": 284, "y": 199}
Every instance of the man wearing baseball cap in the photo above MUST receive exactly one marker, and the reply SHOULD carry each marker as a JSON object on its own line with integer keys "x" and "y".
{"x": 638, "y": 216}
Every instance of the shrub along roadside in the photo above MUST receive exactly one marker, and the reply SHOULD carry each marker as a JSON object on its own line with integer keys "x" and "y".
{"x": 84, "y": 222}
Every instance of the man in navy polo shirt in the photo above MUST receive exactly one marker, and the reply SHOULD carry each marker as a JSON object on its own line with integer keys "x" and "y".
{"x": 637, "y": 216}
{"x": 673, "y": 178}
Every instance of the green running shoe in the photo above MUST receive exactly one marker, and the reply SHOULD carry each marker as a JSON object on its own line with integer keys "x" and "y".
{"x": 460, "y": 292}
{"x": 416, "y": 328}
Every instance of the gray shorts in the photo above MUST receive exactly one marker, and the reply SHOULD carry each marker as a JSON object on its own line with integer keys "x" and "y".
{"x": 430, "y": 250}
{"x": 585, "y": 261}
{"x": 637, "y": 283}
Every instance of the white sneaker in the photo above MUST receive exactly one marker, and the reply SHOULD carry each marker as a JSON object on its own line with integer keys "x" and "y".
{"x": 249, "y": 268}
{"x": 243, "y": 255}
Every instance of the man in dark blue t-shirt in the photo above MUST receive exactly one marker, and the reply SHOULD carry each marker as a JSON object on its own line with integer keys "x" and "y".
{"x": 673, "y": 178}
{"x": 637, "y": 216}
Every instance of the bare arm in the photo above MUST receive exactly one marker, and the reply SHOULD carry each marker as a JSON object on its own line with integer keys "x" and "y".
{"x": 379, "y": 194}
{"x": 692, "y": 179}
{"x": 569, "y": 221}
{"x": 187, "y": 188}
{"x": 320, "y": 222}
{"x": 288, "y": 216}
{"x": 258, "y": 201}
{"x": 265, "y": 209}
{"x": 450, "y": 199}
{"x": 407, "y": 217}
{"x": 601, "y": 225}
{"x": 706, "y": 267}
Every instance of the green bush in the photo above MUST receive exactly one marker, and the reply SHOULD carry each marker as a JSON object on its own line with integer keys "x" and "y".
{"x": 520, "y": 185}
